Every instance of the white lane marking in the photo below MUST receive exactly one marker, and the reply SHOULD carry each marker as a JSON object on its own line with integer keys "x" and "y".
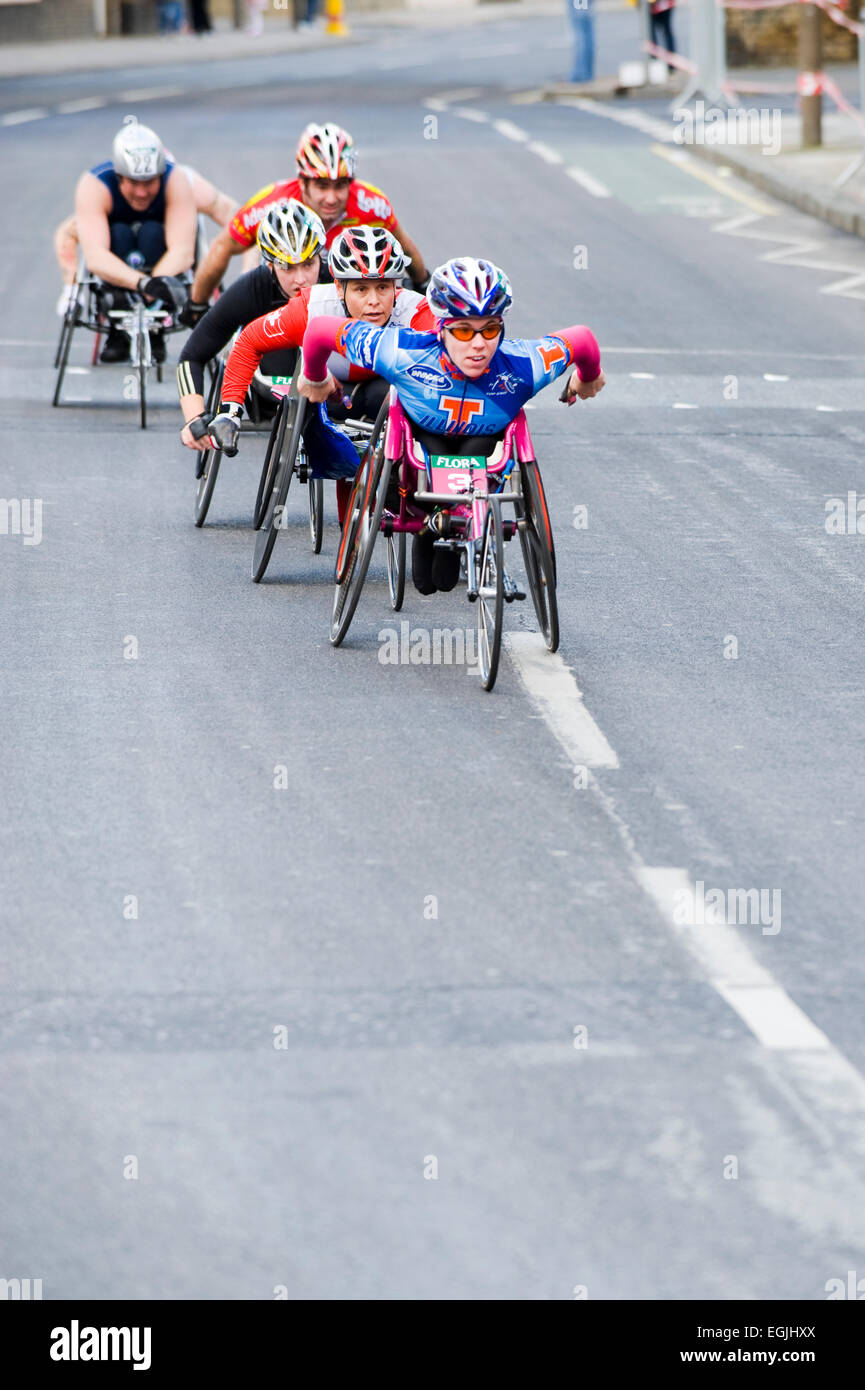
{"x": 148, "y": 94}
{"x": 731, "y": 968}
{"x": 649, "y": 125}
{"x": 545, "y": 152}
{"x": 588, "y": 182}
{"x": 69, "y": 108}
{"x": 510, "y": 131}
{"x": 833, "y": 408}
{"x": 468, "y": 113}
{"x": 683, "y": 405}
{"x": 34, "y": 113}
{"x": 78, "y": 371}
{"x": 553, "y": 689}
{"x": 642, "y": 376}
{"x": 772, "y": 376}
{"x": 443, "y": 99}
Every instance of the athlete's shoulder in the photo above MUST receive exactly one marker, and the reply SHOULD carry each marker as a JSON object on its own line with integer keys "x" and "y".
{"x": 365, "y": 197}
{"x": 100, "y": 171}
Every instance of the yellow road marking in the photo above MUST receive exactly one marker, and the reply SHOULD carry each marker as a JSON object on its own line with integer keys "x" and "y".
{"x": 689, "y": 166}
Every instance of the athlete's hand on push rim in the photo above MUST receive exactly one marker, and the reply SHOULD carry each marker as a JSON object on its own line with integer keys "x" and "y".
{"x": 582, "y": 389}
{"x": 187, "y": 438}
{"x": 318, "y": 391}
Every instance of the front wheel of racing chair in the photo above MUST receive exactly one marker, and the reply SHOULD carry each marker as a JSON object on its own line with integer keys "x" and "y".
{"x": 276, "y": 480}
{"x": 539, "y": 556}
{"x": 207, "y": 470}
{"x": 396, "y": 545}
{"x": 361, "y": 527}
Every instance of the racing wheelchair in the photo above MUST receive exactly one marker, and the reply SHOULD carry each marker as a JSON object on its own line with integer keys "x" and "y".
{"x": 90, "y": 307}
{"x": 456, "y": 485}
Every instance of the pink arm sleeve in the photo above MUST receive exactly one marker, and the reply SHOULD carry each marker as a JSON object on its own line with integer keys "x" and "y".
{"x": 585, "y": 352}
{"x": 321, "y": 338}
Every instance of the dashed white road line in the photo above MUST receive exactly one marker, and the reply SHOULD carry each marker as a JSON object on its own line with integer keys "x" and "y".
{"x": 470, "y": 113}
{"x": 588, "y": 182}
{"x": 554, "y": 690}
{"x": 723, "y": 956}
{"x": 511, "y": 131}
{"x": 545, "y": 152}
{"x": 69, "y": 108}
{"x": 148, "y": 94}
{"x": 34, "y": 113}
{"x": 442, "y": 100}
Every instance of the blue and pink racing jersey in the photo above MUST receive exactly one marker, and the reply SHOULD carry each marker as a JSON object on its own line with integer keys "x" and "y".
{"x": 433, "y": 391}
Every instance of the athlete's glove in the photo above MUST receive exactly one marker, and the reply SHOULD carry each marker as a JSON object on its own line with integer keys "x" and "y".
{"x": 224, "y": 430}
{"x": 167, "y": 288}
{"x": 199, "y": 427}
{"x": 191, "y": 313}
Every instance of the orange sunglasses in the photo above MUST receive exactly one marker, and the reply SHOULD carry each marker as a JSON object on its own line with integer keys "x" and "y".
{"x": 464, "y": 333}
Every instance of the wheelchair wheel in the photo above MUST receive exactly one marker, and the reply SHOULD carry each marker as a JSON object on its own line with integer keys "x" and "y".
{"x": 61, "y": 357}
{"x": 271, "y": 457}
{"x": 274, "y": 505}
{"x": 143, "y": 356}
{"x": 491, "y": 593}
{"x": 207, "y": 469}
{"x": 316, "y": 513}
{"x": 396, "y": 569}
{"x": 359, "y": 535}
{"x": 539, "y": 558}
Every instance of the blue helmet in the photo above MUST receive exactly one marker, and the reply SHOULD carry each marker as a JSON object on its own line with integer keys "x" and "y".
{"x": 464, "y": 288}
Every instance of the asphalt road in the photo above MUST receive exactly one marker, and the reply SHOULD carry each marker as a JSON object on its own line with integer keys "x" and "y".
{"x": 390, "y": 961}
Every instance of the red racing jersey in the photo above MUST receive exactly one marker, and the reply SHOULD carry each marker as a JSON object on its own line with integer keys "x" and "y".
{"x": 367, "y": 206}
{"x": 285, "y": 327}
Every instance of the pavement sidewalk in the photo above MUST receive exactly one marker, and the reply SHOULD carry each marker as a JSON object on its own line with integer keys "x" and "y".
{"x": 228, "y": 44}
{"x": 766, "y": 150}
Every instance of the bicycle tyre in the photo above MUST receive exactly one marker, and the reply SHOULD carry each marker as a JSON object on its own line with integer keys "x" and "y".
{"x": 491, "y": 593}
{"x": 316, "y": 513}
{"x": 265, "y": 538}
{"x": 271, "y": 457}
{"x": 396, "y": 569}
{"x": 538, "y": 554}
{"x": 363, "y": 529}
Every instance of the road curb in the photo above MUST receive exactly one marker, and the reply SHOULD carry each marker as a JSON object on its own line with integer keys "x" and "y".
{"x": 836, "y": 210}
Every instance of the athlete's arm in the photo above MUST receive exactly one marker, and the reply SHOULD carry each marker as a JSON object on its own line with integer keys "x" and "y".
{"x": 210, "y": 200}
{"x": 214, "y": 266}
{"x": 417, "y": 269}
{"x": 92, "y": 206}
{"x": 283, "y": 328}
{"x": 587, "y": 379}
{"x": 181, "y": 223}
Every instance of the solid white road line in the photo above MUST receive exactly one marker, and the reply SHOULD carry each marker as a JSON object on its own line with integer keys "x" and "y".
{"x": 588, "y": 182}
{"x": 553, "y": 689}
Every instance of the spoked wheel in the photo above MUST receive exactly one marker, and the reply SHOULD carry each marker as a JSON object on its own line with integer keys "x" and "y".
{"x": 316, "y": 513}
{"x": 143, "y": 347}
{"x": 61, "y": 357}
{"x": 491, "y": 593}
{"x": 207, "y": 470}
{"x": 271, "y": 458}
{"x": 359, "y": 535}
{"x": 539, "y": 557}
{"x": 274, "y": 503}
{"x": 396, "y": 569}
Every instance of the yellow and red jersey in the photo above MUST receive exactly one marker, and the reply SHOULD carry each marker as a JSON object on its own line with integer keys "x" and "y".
{"x": 367, "y": 207}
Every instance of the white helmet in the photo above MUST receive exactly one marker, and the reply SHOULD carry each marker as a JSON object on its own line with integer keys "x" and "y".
{"x": 138, "y": 152}
{"x": 366, "y": 253}
{"x": 290, "y": 233}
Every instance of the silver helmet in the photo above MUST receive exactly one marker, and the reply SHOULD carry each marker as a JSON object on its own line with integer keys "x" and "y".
{"x": 138, "y": 152}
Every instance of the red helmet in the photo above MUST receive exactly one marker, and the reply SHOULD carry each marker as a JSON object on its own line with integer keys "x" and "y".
{"x": 366, "y": 253}
{"x": 326, "y": 152}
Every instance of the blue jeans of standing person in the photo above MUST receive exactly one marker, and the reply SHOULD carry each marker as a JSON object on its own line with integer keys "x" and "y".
{"x": 583, "y": 25}
{"x": 170, "y": 16}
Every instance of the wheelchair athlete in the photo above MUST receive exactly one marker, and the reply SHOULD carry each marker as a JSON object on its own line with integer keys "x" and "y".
{"x": 290, "y": 239}
{"x": 366, "y": 263}
{"x": 136, "y": 222}
{"x": 459, "y": 384}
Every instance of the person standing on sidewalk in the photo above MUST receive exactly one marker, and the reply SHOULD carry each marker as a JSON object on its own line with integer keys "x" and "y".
{"x": 583, "y": 24}
{"x": 661, "y": 21}
{"x": 199, "y": 16}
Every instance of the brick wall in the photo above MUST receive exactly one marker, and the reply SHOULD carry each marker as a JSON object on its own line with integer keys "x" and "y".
{"x": 769, "y": 38}
{"x": 50, "y": 19}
